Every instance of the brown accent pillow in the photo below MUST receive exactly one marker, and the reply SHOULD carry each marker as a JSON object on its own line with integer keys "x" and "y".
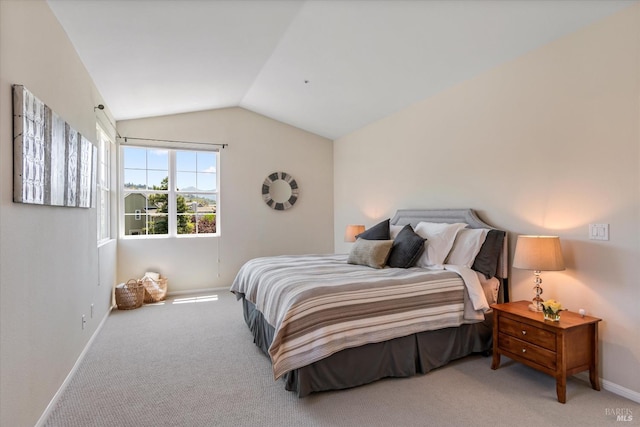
{"x": 372, "y": 253}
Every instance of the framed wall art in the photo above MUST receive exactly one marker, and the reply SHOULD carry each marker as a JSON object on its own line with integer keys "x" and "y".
{"x": 53, "y": 164}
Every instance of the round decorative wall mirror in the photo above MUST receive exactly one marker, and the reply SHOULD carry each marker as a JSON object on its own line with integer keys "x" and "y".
{"x": 280, "y": 191}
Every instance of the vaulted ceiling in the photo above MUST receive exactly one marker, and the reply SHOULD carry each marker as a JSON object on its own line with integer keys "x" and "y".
{"x": 329, "y": 67}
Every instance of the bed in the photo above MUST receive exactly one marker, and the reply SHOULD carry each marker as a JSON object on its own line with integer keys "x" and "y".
{"x": 331, "y": 322}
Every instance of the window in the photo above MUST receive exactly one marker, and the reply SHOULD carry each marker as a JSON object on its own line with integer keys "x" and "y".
{"x": 169, "y": 192}
{"x": 104, "y": 185}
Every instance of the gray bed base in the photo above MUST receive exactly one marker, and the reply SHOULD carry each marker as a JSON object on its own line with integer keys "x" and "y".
{"x": 400, "y": 357}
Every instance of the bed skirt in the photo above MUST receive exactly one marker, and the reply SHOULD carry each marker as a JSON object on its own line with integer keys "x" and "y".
{"x": 400, "y": 357}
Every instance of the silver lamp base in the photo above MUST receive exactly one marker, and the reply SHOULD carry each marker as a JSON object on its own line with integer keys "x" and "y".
{"x": 534, "y": 307}
{"x": 536, "y": 303}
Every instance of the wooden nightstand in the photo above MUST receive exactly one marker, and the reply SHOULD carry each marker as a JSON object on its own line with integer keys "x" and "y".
{"x": 556, "y": 348}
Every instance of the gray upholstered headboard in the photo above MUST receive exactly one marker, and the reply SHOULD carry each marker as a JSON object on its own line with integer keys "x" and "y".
{"x": 449, "y": 216}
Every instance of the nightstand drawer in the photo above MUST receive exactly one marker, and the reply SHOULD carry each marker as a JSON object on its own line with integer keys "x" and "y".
{"x": 527, "y": 351}
{"x": 528, "y": 333}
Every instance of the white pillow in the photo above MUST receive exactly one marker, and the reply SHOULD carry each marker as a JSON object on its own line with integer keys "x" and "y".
{"x": 440, "y": 238}
{"x": 466, "y": 246}
{"x": 394, "y": 230}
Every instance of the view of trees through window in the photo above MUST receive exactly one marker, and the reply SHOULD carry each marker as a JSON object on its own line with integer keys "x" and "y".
{"x": 147, "y": 191}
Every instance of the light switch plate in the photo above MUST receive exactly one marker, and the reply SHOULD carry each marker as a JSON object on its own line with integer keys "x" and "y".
{"x": 598, "y": 231}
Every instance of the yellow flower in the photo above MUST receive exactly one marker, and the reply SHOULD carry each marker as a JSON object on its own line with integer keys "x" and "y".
{"x": 552, "y": 306}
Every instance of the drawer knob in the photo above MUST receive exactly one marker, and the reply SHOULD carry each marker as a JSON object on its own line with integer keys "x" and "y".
{"x": 524, "y": 332}
{"x": 524, "y": 350}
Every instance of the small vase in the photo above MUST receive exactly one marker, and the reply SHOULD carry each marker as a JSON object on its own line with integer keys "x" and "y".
{"x": 555, "y": 317}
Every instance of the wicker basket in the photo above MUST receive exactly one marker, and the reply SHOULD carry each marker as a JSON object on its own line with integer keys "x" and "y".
{"x": 130, "y": 296}
{"x": 154, "y": 290}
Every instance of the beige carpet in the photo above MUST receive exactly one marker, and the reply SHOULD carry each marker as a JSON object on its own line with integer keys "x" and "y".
{"x": 191, "y": 362}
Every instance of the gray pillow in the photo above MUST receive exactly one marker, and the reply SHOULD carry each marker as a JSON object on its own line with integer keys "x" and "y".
{"x": 379, "y": 231}
{"x": 486, "y": 261}
{"x": 407, "y": 248}
{"x": 372, "y": 253}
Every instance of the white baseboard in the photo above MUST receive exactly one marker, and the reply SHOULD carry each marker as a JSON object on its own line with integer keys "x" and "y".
{"x": 612, "y": 387}
{"x": 67, "y": 380}
{"x": 621, "y": 391}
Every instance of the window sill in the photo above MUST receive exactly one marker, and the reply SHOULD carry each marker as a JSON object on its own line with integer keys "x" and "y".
{"x": 179, "y": 236}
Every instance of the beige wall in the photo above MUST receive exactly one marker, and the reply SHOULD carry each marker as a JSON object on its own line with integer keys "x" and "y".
{"x": 49, "y": 269}
{"x": 248, "y": 227}
{"x": 544, "y": 144}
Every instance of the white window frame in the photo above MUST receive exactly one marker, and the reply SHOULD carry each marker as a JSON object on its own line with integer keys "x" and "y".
{"x": 103, "y": 186}
{"x": 171, "y": 192}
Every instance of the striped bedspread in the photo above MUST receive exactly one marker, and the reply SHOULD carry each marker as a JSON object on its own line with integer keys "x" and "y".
{"x": 319, "y": 304}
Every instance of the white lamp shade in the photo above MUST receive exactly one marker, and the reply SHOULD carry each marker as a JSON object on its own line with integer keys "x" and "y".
{"x": 538, "y": 253}
{"x": 352, "y": 231}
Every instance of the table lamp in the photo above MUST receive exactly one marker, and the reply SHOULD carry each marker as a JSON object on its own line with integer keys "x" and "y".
{"x": 352, "y": 231}
{"x": 538, "y": 253}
